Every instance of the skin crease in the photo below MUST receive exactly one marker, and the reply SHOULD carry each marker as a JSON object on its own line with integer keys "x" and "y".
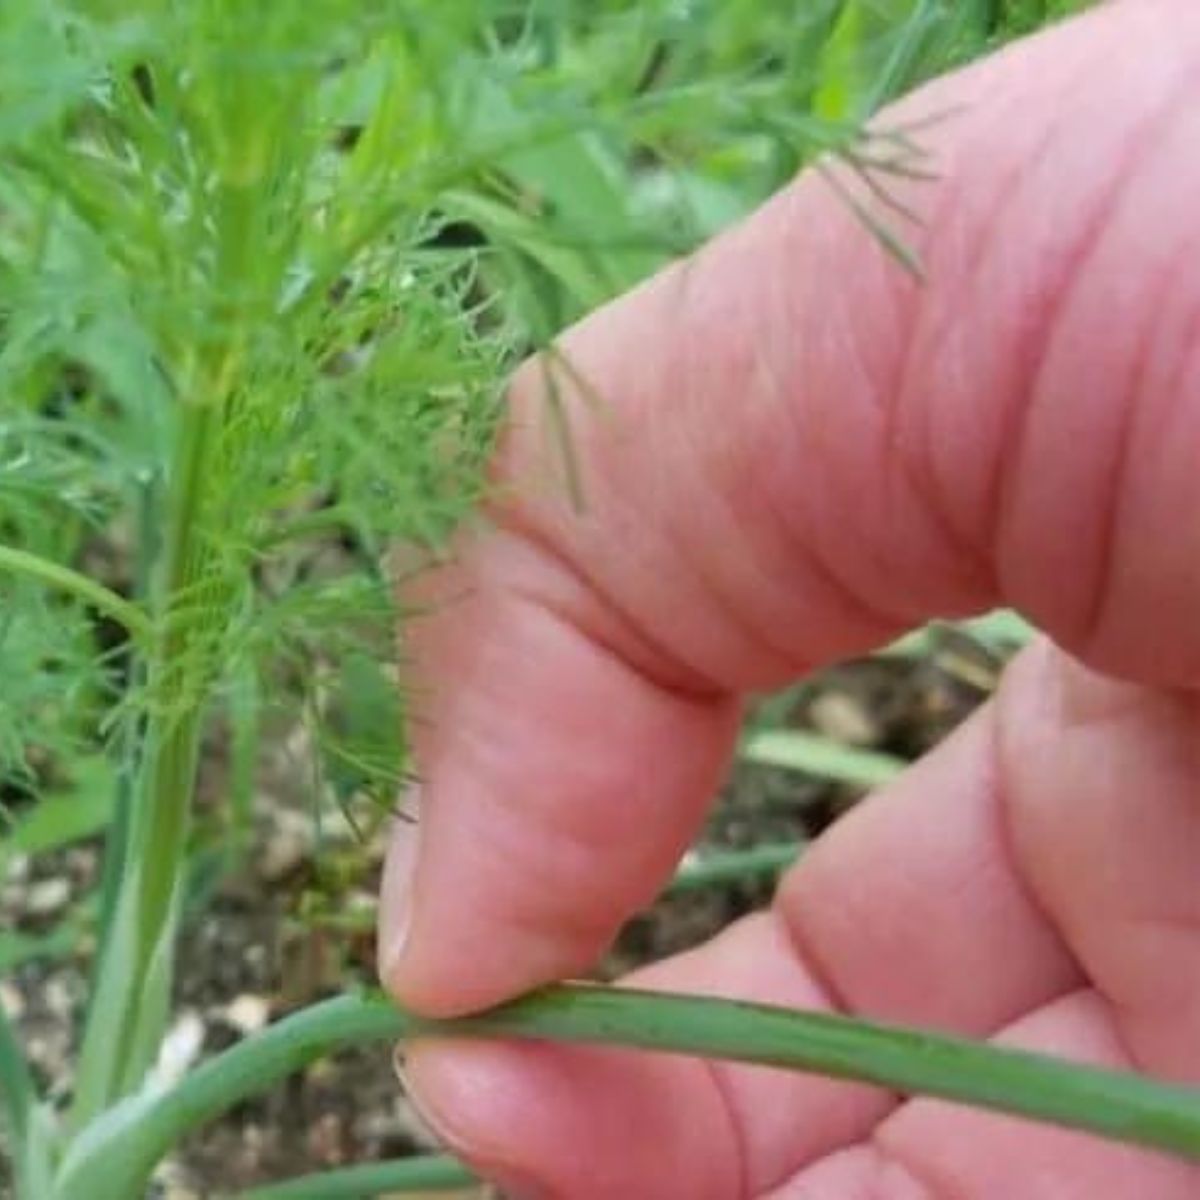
{"x": 797, "y": 452}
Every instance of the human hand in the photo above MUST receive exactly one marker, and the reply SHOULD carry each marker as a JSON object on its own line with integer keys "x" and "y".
{"x": 800, "y": 452}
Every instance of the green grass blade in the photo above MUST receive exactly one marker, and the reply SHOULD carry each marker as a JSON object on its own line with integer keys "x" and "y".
{"x": 35, "y": 1152}
{"x": 1114, "y": 1104}
{"x": 61, "y": 817}
{"x": 821, "y": 756}
{"x": 58, "y": 942}
{"x": 899, "y": 70}
{"x": 17, "y": 1088}
{"x": 841, "y": 67}
{"x": 734, "y": 866}
{"x": 425, "y": 1173}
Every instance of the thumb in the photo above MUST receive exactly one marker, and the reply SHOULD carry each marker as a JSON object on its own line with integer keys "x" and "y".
{"x": 798, "y": 451}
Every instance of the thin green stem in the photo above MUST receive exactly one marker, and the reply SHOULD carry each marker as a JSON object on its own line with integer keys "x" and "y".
{"x": 64, "y": 579}
{"x": 17, "y": 1088}
{"x": 426, "y": 1172}
{"x": 128, "y": 747}
{"x": 898, "y": 70}
{"x": 1117, "y": 1105}
{"x": 734, "y": 866}
{"x": 796, "y": 750}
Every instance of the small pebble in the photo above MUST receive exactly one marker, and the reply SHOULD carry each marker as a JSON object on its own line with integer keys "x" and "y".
{"x": 289, "y": 844}
{"x": 844, "y": 719}
{"x": 11, "y": 1001}
{"x": 46, "y": 897}
{"x": 180, "y": 1048}
{"x": 247, "y": 1013}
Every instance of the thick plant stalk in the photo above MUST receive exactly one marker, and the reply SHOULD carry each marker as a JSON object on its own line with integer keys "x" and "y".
{"x": 129, "y": 1010}
{"x": 1117, "y": 1105}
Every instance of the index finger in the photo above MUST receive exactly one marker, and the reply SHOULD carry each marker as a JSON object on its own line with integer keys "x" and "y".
{"x": 799, "y": 452}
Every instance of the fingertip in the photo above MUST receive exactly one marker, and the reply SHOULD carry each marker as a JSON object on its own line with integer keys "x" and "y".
{"x": 471, "y": 1095}
{"x": 397, "y": 887}
{"x": 552, "y": 1120}
{"x": 545, "y": 822}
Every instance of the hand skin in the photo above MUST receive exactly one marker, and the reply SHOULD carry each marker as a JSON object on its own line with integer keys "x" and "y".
{"x": 799, "y": 452}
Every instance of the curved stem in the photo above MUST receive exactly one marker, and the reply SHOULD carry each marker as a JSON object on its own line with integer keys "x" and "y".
{"x": 63, "y": 579}
{"x": 423, "y": 1172}
{"x": 1118, "y": 1105}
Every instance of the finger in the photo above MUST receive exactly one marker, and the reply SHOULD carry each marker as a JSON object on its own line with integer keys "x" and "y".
{"x": 588, "y": 745}
{"x": 938, "y": 903}
{"x": 910, "y": 909}
{"x": 571, "y": 1121}
{"x": 913, "y": 909}
{"x": 1103, "y": 798}
{"x": 797, "y": 452}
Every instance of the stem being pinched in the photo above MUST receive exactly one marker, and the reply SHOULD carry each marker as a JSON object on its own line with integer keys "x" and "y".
{"x": 1118, "y": 1105}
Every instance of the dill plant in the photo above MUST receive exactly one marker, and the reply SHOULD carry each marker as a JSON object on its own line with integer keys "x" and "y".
{"x": 263, "y": 270}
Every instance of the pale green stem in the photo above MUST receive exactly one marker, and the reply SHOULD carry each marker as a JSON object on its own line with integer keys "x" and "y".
{"x": 796, "y": 750}
{"x": 424, "y": 1173}
{"x": 129, "y": 1009}
{"x": 127, "y": 1015}
{"x": 734, "y": 866}
{"x": 17, "y": 1089}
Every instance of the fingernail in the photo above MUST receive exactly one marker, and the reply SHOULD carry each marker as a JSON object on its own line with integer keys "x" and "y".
{"x": 396, "y": 888}
{"x": 512, "y": 1183}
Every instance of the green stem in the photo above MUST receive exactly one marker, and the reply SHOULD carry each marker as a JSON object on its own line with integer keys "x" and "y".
{"x": 795, "y": 750}
{"x": 129, "y": 1009}
{"x": 734, "y": 866}
{"x": 1118, "y": 1105}
{"x": 63, "y": 579}
{"x": 128, "y": 1012}
{"x": 426, "y": 1172}
{"x": 17, "y": 1089}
